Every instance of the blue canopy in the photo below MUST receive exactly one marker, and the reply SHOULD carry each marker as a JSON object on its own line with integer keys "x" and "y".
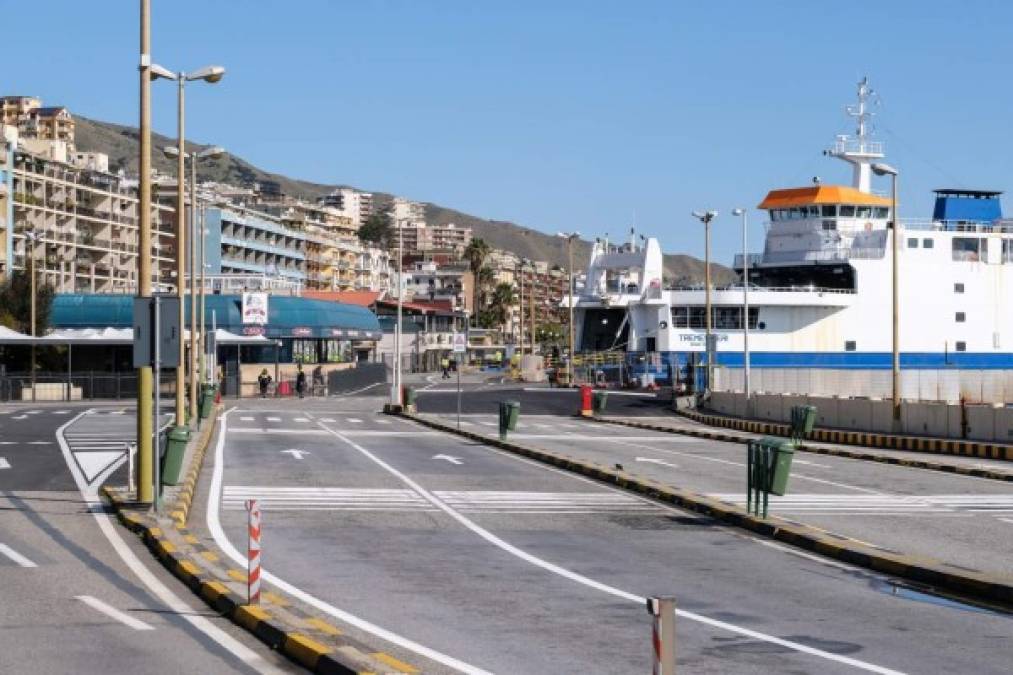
{"x": 288, "y": 316}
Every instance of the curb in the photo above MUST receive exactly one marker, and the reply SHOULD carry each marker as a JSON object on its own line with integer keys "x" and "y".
{"x": 315, "y": 647}
{"x": 964, "y": 582}
{"x": 775, "y": 430}
{"x": 940, "y": 446}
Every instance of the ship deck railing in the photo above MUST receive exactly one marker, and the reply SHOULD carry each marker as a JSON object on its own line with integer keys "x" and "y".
{"x": 983, "y": 227}
{"x": 754, "y": 288}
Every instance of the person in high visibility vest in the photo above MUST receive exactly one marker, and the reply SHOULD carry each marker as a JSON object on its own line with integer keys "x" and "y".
{"x": 445, "y": 365}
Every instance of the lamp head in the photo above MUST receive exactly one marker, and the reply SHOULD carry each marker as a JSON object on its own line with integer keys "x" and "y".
{"x": 213, "y": 152}
{"x": 172, "y": 151}
{"x": 883, "y": 170}
{"x": 738, "y": 212}
{"x": 158, "y": 71}
{"x": 210, "y": 74}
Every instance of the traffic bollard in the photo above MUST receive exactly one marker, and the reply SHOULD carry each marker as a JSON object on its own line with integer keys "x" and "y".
{"x": 662, "y": 634}
{"x": 253, "y": 553}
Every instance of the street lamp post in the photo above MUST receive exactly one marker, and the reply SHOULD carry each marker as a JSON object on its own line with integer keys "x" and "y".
{"x": 145, "y": 452}
{"x": 706, "y": 217}
{"x": 887, "y": 170}
{"x": 396, "y": 394}
{"x": 194, "y": 157}
{"x": 569, "y": 237}
{"x": 209, "y": 74}
{"x": 745, "y": 308}
{"x": 31, "y": 237}
{"x": 520, "y": 281}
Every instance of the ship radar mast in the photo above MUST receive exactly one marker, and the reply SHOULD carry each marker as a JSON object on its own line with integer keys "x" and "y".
{"x": 858, "y": 150}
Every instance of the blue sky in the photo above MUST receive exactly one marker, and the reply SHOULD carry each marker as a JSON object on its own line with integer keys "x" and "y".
{"x": 556, "y": 115}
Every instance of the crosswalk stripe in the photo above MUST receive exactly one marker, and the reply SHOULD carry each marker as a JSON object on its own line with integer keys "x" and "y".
{"x": 842, "y": 504}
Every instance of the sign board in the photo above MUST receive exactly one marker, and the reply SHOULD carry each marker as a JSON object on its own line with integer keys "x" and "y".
{"x": 167, "y": 332}
{"x": 255, "y": 308}
{"x": 460, "y": 343}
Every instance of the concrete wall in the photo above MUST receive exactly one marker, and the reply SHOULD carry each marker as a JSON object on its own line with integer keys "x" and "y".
{"x": 947, "y": 386}
{"x": 991, "y": 423}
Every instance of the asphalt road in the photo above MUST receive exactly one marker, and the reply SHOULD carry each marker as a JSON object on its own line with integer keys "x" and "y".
{"x": 950, "y": 517}
{"x": 539, "y": 400}
{"x": 510, "y": 566}
{"x": 79, "y": 594}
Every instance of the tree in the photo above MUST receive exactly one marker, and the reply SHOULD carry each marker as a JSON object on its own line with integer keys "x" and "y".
{"x": 377, "y": 230}
{"x": 476, "y": 253}
{"x": 502, "y": 300}
{"x": 482, "y": 283}
{"x": 16, "y": 304}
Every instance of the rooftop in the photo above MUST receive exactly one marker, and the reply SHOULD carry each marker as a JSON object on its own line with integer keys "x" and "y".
{"x": 820, "y": 194}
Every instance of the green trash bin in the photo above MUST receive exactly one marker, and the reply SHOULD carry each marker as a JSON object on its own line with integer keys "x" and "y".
{"x": 781, "y": 452}
{"x": 509, "y": 411}
{"x": 408, "y": 395}
{"x": 172, "y": 460}
{"x": 598, "y": 402}
{"x": 207, "y": 400}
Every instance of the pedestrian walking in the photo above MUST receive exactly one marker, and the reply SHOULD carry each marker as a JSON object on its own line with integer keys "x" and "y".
{"x": 264, "y": 380}
{"x": 300, "y": 381}
{"x": 445, "y": 365}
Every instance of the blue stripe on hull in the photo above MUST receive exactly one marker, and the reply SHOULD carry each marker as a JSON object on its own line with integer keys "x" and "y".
{"x": 865, "y": 360}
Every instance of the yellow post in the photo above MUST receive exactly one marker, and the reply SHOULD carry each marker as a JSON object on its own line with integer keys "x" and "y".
{"x": 145, "y": 454}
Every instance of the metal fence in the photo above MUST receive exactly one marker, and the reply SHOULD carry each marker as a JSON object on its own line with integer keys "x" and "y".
{"x": 77, "y": 386}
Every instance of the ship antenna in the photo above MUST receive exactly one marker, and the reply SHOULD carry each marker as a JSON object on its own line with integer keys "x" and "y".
{"x": 858, "y": 150}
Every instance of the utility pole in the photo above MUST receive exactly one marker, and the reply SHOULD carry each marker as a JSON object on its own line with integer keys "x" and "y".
{"x": 193, "y": 289}
{"x": 145, "y": 452}
{"x": 710, "y": 349}
{"x": 180, "y": 246}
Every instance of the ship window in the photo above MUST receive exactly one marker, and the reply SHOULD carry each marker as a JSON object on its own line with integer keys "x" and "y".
{"x": 958, "y": 288}
{"x": 696, "y": 317}
{"x": 961, "y": 346}
{"x": 847, "y": 211}
{"x": 967, "y": 248}
{"x": 794, "y": 214}
{"x": 928, "y": 243}
{"x": 864, "y": 212}
{"x": 912, "y": 243}
{"x": 829, "y": 225}
{"x": 814, "y": 211}
{"x": 1007, "y": 250}
{"x": 850, "y": 346}
{"x": 829, "y": 210}
{"x": 882, "y": 212}
{"x": 680, "y": 317}
{"x": 961, "y": 317}
{"x": 774, "y": 213}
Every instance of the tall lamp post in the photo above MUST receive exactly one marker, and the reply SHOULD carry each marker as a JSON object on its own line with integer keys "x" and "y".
{"x": 569, "y": 237}
{"x": 745, "y": 308}
{"x": 145, "y": 451}
{"x": 213, "y": 152}
{"x": 209, "y": 74}
{"x": 706, "y": 217}
{"x": 887, "y": 170}
{"x": 31, "y": 238}
{"x": 395, "y": 395}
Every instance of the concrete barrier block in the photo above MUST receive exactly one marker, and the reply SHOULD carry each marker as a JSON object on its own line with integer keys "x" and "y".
{"x": 1003, "y": 424}
{"x": 768, "y": 407}
{"x": 981, "y": 422}
{"x": 881, "y": 413}
{"x": 854, "y": 414}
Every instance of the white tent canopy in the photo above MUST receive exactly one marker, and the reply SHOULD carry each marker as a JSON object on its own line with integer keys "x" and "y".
{"x": 111, "y": 336}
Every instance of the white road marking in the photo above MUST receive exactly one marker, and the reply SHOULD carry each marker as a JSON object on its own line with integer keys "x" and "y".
{"x": 32, "y": 412}
{"x": 94, "y": 463}
{"x": 326, "y": 419}
{"x": 651, "y": 460}
{"x": 19, "y": 417}
{"x": 4, "y": 464}
{"x": 273, "y": 419}
{"x": 802, "y": 554}
{"x": 449, "y": 458}
{"x": 806, "y": 462}
{"x": 258, "y": 430}
{"x": 301, "y": 419}
{"x": 593, "y": 437}
{"x": 8, "y": 442}
{"x": 246, "y": 419}
{"x": 61, "y": 412}
{"x": 378, "y": 421}
{"x": 587, "y": 581}
{"x": 114, "y": 613}
{"x": 297, "y": 454}
{"x": 40, "y": 442}
{"x": 888, "y": 504}
{"x": 354, "y": 420}
{"x": 16, "y": 557}
{"x": 89, "y": 494}
{"x": 1007, "y": 520}
{"x": 214, "y": 524}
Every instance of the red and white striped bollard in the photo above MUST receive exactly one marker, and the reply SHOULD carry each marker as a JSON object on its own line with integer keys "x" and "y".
{"x": 253, "y": 553}
{"x": 662, "y": 634}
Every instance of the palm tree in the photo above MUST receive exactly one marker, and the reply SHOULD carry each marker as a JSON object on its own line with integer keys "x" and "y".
{"x": 483, "y": 281}
{"x": 476, "y": 253}
{"x": 503, "y": 298}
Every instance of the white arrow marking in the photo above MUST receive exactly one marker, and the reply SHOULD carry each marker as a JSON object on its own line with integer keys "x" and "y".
{"x": 4, "y": 464}
{"x": 657, "y": 461}
{"x": 452, "y": 460}
{"x": 298, "y": 454}
{"x": 20, "y": 417}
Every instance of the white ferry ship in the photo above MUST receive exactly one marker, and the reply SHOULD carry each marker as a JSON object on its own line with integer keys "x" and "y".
{"x": 820, "y": 292}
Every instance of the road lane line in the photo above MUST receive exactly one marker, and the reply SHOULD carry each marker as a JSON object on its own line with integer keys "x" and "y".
{"x": 21, "y": 560}
{"x": 591, "y": 583}
{"x": 89, "y": 494}
{"x": 4, "y": 464}
{"x": 271, "y": 430}
{"x": 114, "y": 613}
{"x": 215, "y": 525}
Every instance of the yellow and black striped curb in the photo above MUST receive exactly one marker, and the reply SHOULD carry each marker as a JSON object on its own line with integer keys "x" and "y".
{"x": 978, "y": 472}
{"x": 314, "y": 643}
{"x": 939, "y": 446}
{"x": 995, "y": 590}
{"x": 179, "y": 511}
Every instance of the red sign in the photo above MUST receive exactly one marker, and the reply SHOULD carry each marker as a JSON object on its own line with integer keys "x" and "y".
{"x": 302, "y": 332}
{"x": 253, "y": 330}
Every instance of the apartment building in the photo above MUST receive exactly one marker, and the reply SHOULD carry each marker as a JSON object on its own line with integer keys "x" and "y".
{"x": 446, "y": 284}
{"x": 79, "y": 225}
{"x": 421, "y": 241}
{"x": 243, "y": 241}
{"x": 33, "y": 120}
{"x": 353, "y": 204}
